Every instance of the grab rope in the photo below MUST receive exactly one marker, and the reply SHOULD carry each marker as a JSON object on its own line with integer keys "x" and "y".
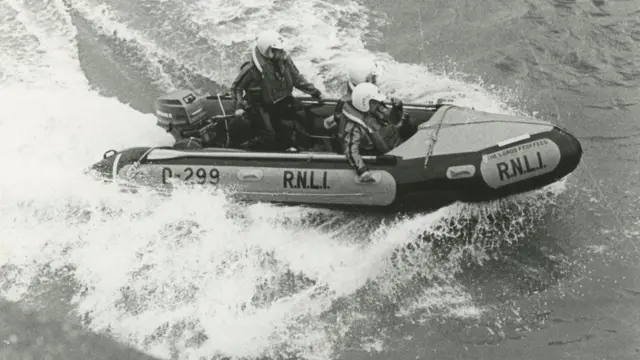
{"x": 226, "y": 124}
{"x": 434, "y": 138}
{"x": 136, "y": 163}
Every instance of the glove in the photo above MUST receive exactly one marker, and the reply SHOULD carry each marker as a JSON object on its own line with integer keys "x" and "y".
{"x": 318, "y": 95}
{"x": 367, "y": 177}
{"x": 329, "y": 122}
{"x": 396, "y": 103}
{"x": 239, "y": 113}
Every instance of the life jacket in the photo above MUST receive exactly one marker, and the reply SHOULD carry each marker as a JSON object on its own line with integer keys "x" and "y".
{"x": 275, "y": 85}
{"x": 381, "y": 135}
{"x": 332, "y": 122}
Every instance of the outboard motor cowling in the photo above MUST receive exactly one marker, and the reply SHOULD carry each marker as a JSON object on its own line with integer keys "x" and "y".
{"x": 180, "y": 111}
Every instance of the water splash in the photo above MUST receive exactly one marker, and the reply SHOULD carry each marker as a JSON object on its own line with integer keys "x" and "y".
{"x": 170, "y": 273}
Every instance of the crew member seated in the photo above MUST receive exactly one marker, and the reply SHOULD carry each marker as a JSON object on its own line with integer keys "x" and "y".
{"x": 366, "y": 128}
{"x": 357, "y": 73}
{"x": 268, "y": 79}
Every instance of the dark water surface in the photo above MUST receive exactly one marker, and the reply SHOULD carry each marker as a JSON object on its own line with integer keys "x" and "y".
{"x": 578, "y": 65}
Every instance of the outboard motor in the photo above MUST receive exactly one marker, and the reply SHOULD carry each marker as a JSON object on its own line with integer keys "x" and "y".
{"x": 181, "y": 113}
{"x": 197, "y": 121}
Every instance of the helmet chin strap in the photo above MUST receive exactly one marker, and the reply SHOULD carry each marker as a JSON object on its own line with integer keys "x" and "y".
{"x": 272, "y": 54}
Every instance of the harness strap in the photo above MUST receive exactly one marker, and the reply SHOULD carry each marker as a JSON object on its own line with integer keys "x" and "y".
{"x": 256, "y": 62}
{"x": 356, "y": 120}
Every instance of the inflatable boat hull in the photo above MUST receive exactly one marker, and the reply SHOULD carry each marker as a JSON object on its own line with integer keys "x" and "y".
{"x": 457, "y": 154}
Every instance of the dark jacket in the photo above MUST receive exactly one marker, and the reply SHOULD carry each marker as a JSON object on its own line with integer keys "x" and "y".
{"x": 337, "y": 120}
{"x": 266, "y": 81}
{"x": 363, "y": 131}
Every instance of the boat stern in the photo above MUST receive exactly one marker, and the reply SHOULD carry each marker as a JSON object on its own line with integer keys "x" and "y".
{"x": 114, "y": 161}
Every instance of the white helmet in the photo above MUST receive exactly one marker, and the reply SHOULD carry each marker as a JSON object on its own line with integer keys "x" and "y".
{"x": 362, "y": 71}
{"x": 268, "y": 40}
{"x": 363, "y": 93}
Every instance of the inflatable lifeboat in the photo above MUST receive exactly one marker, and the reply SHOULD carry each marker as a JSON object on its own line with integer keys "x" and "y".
{"x": 452, "y": 154}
